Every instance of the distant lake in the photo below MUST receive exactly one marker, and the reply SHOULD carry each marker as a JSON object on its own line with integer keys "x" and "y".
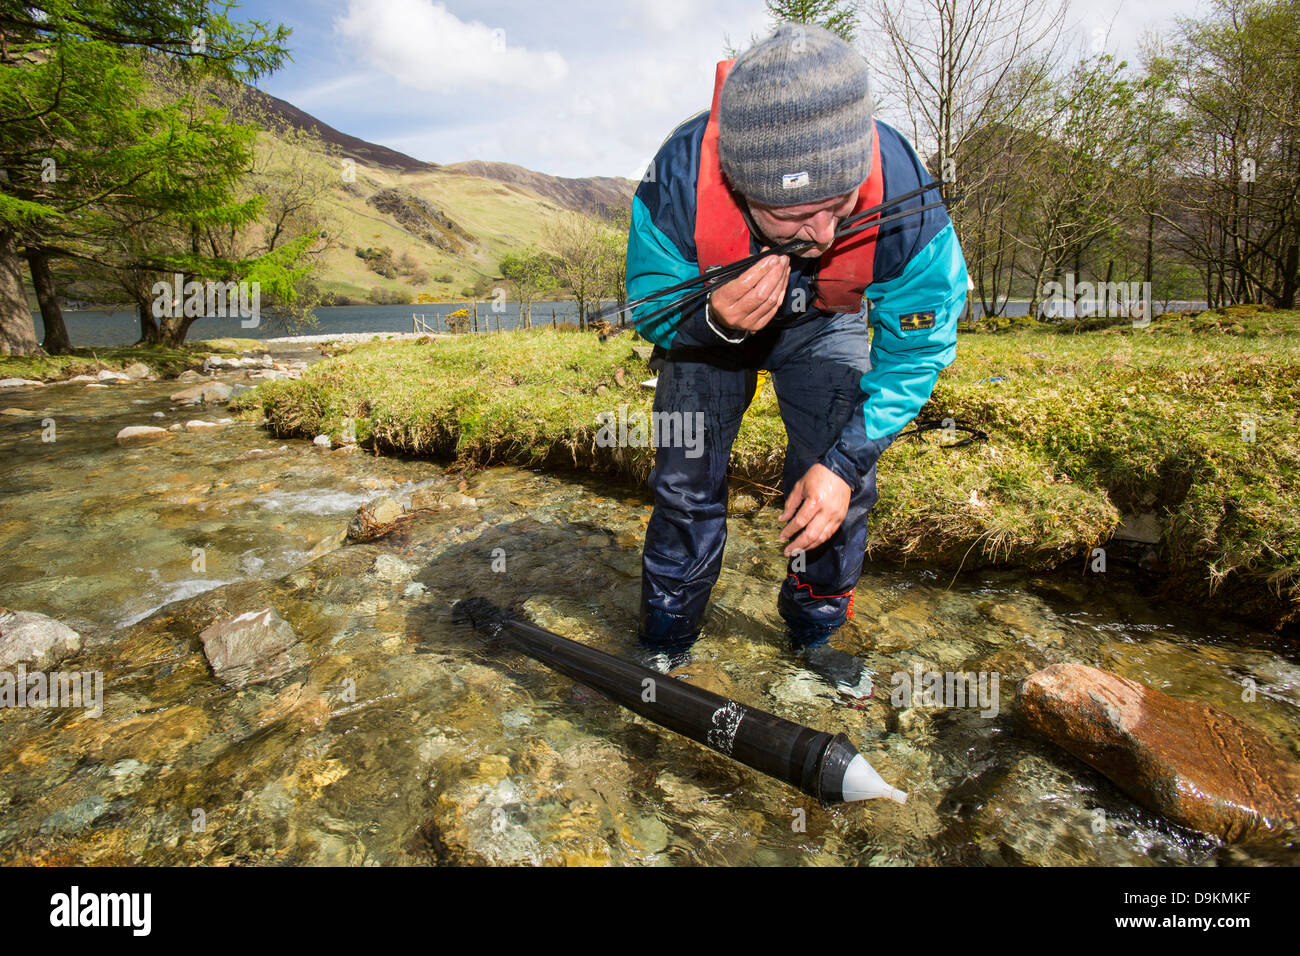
{"x": 119, "y": 327}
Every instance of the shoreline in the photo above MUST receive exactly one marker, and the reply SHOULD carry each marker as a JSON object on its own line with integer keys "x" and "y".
{"x": 356, "y": 337}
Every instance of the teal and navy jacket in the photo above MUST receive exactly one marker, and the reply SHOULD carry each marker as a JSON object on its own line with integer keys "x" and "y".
{"x": 916, "y": 295}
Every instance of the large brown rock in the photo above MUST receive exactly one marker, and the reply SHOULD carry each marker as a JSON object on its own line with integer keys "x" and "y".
{"x": 1186, "y": 760}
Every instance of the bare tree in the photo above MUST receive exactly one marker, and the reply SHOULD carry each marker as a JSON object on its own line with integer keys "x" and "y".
{"x": 950, "y": 64}
{"x": 576, "y": 240}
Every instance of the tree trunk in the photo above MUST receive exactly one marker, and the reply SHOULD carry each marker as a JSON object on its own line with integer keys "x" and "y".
{"x": 1290, "y": 277}
{"x": 56, "y": 333}
{"x": 149, "y": 332}
{"x": 1151, "y": 234}
{"x": 175, "y": 328}
{"x": 17, "y": 330}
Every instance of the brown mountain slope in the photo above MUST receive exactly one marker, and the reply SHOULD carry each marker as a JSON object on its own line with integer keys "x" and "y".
{"x": 280, "y": 113}
{"x": 593, "y": 195}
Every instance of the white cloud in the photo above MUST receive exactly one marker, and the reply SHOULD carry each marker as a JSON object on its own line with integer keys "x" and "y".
{"x": 425, "y": 46}
{"x": 663, "y": 16}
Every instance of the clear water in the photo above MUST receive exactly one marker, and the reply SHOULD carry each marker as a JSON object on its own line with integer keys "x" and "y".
{"x": 408, "y": 740}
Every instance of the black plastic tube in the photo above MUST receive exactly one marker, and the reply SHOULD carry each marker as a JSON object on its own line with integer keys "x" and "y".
{"x": 811, "y": 760}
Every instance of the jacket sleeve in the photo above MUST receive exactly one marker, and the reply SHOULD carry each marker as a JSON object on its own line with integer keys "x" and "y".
{"x": 914, "y": 321}
{"x": 654, "y": 262}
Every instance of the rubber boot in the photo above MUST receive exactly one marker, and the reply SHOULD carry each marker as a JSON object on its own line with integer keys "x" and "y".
{"x": 810, "y": 642}
{"x": 665, "y": 640}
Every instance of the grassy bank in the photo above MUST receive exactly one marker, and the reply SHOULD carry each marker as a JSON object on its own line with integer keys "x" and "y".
{"x": 164, "y": 361}
{"x": 1085, "y": 426}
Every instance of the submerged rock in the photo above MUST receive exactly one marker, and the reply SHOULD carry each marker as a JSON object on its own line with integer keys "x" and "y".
{"x": 255, "y": 453}
{"x": 136, "y": 434}
{"x": 374, "y": 520}
{"x": 390, "y": 568}
{"x": 203, "y": 392}
{"x": 34, "y": 638}
{"x": 251, "y": 648}
{"x": 1188, "y": 761}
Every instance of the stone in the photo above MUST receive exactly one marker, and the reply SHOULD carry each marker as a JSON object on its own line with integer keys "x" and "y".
{"x": 137, "y": 434}
{"x": 15, "y": 412}
{"x": 323, "y": 441}
{"x": 392, "y": 569}
{"x": 18, "y": 382}
{"x": 253, "y": 454}
{"x": 251, "y": 648}
{"x": 76, "y": 817}
{"x": 138, "y": 370}
{"x": 198, "y": 425}
{"x": 1144, "y": 528}
{"x": 1191, "y": 762}
{"x": 202, "y": 392}
{"x": 189, "y": 375}
{"x": 112, "y": 377}
{"x": 373, "y": 520}
{"x": 157, "y": 415}
{"x": 28, "y": 637}
{"x": 426, "y": 499}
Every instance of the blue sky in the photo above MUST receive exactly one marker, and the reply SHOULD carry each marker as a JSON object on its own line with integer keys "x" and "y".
{"x": 579, "y": 88}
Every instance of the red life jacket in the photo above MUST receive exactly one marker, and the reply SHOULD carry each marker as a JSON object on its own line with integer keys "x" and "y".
{"x": 722, "y": 235}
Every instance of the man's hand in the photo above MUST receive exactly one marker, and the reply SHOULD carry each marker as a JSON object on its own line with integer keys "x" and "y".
{"x": 817, "y": 504}
{"x": 749, "y": 301}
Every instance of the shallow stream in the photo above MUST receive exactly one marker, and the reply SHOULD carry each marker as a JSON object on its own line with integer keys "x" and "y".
{"x": 407, "y": 739}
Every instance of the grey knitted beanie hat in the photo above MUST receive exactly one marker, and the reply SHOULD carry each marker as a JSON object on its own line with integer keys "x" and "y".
{"x": 794, "y": 118}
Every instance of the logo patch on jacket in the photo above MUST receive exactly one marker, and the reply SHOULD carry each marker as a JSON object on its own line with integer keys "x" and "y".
{"x": 915, "y": 321}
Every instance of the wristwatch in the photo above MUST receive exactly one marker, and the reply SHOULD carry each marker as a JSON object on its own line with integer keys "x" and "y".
{"x": 708, "y": 317}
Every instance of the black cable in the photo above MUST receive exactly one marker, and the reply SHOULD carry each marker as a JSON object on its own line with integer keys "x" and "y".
{"x": 794, "y": 245}
{"x": 723, "y": 274}
{"x": 947, "y": 424}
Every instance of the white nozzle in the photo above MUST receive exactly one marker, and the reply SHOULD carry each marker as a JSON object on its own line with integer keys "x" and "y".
{"x": 861, "y": 782}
